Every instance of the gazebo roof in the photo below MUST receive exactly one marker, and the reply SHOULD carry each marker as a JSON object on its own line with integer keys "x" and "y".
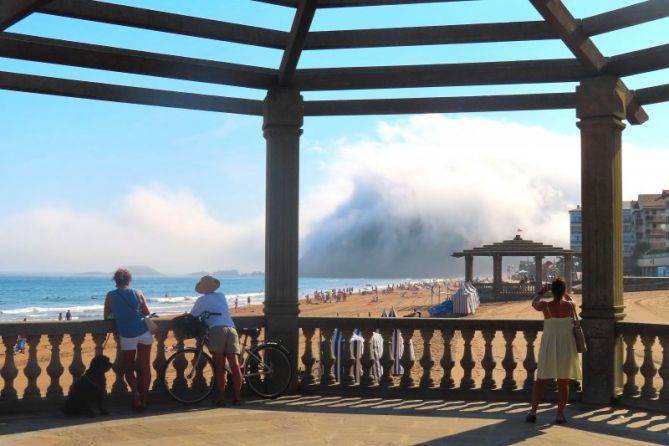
{"x": 516, "y": 247}
{"x": 557, "y": 23}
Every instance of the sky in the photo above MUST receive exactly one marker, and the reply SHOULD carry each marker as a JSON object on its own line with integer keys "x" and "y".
{"x": 88, "y": 185}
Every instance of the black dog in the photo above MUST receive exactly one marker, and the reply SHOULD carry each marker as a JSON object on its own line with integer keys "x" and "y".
{"x": 90, "y": 388}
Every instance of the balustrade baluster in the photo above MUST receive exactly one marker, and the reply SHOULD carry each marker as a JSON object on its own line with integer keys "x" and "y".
{"x": 346, "y": 377}
{"x": 99, "y": 340}
{"x": 368, "y": 377}
{"x": 648, "y": 369}
{"x": 407, "y": 360}
{"x": 630, "y": 367}
{"x": 327, "y": 359}
{"x": 488, "y": 363}
{"x": 55, "y": 368}
{"x": 530, "y": 363}
{"x": 387, "y": 359}
{"x": 77, "y": 368}
{"x": 159, "y": 361}
{"x": 9, "y": 370}
{"x": 308, "y": 357}
{"x": 509, "y": 362}
{"x": 179, "y": 384}
{"x": 664, "y": 369}
{"x": 467, "y": 362}
{"x": 447, "y": 362}
{"x": 426, "y": 361}
{"x": 119, "y": 387}
{"x": 32, "y": 370}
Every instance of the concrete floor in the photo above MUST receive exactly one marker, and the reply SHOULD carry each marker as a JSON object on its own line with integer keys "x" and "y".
{"x": 309, "y": 420}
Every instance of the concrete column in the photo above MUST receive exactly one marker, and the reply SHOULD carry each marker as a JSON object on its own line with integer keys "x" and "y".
{"x": 568, "y": 270}
{"x": 538, "y": 272}
{"x": 469, "y": 268}
{"x": 601, "y": 103}
{"x": 496, "y": 275}
{"x": 283, "y": 112}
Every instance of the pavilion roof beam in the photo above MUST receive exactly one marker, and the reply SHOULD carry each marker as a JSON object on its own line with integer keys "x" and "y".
{"x": 38, "y": 49}
{"x": 298, "y": 34}
{"x": 166, "y": 22}
{"x": 624, "y": 17}
{"x": 430, "y": 35}
{"x": 641, "y": 61}
{"x": 130, "y": 95}
{"x": 12, "y": 11}
{"x": 463, "y": 104}
{"x": 350, "y": 3}
{"x": 652, "y": 95}
{"x": 568, "y": 28}
{"x": 441, "y": 75}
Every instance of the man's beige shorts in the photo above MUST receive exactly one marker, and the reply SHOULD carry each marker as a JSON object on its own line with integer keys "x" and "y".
{"x": 224, "y": 340}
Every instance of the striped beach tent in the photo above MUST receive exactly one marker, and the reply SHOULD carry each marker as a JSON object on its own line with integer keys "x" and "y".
{"x": 465, "y": 301}
{"x": 398, "y": 347}
{"x": 357, "y": 346}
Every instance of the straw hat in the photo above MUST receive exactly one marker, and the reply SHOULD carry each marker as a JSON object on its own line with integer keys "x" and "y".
{"x": 207, "y": 284}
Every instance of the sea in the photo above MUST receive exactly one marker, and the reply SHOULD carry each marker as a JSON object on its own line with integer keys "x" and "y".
{"x": 44, "y": 297}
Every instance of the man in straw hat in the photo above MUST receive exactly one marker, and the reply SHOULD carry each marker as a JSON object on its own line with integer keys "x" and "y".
{"x": 223, "y": 338}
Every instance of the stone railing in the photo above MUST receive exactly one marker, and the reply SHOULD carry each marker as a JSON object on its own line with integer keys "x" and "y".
{"x": 645, "y": 364}
{"x": 57, "y": 353}
{"x": 462, "y": 358}
{"x": 507, "y": 291}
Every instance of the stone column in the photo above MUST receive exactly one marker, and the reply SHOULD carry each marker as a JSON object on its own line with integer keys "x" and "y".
{"x": 496, "y": 275}
{"x": 283, "y": 112}
{"x": 601, "y": 103}
{"x": 538, "y": 272}
{"x": 568, "y": 270}
{"x": 469, "y": 268}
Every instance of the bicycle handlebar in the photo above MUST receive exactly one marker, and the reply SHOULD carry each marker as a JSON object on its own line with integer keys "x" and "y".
{"x": 206, "y": 314}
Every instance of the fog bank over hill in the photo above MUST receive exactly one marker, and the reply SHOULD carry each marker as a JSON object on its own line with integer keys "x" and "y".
{"x": 404, "y": 199}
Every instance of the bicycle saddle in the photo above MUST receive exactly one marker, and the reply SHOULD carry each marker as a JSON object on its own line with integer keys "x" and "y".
{"x": 253, "y": 331}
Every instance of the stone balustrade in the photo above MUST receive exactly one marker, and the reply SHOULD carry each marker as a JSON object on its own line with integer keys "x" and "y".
{"x": 57, "y": 353}
{"x": 465, "y": 358}
{"x": 645, "y": 364}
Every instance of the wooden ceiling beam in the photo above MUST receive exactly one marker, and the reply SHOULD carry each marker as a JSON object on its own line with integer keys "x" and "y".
{"x": 429, "y": 35}
{"x": 353, "y": 3}
{"x": 652, "y": 95}
{"x": 624, "y": 17}
{"x": 12, "y": 11}
{"x": 641, "y": 61}
{"x": 38, "y": 49}
{"x": 129, "y": 95}
{"x": 115, "y": 14}
{"x": 462, "y": 104}
{"x": 298, "y": 34}
{"x": 441, "y": 75}
{"x": 571, "y": 33}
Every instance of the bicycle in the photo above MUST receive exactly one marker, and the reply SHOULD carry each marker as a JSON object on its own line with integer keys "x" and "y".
{"x": 188, "y": 375}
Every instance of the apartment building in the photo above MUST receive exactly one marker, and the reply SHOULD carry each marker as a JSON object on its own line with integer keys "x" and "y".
{"x": 650, "y": 220}
{"x": 629, "y": 236}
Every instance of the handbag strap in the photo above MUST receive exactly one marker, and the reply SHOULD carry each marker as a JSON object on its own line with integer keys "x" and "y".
{"x": 574, "y": 316}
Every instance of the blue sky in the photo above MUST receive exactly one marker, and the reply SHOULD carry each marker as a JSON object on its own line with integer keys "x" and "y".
{"x": 88, "y": 156}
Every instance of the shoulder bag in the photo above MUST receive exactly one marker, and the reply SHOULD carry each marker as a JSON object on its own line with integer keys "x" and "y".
{"x": 579, "y": 336}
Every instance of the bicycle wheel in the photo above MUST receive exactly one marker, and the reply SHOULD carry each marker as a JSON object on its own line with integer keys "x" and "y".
{"x": 188, "y": 379}
{"x": 267, "y": 371}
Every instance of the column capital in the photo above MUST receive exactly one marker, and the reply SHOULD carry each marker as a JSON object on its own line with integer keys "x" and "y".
{"x": 607, "y": 96}
{"x": 283, "y": 107}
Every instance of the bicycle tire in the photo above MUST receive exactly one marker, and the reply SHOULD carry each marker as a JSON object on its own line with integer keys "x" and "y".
{"x": 189, "y": 386}
{"x": 268, "y": 371}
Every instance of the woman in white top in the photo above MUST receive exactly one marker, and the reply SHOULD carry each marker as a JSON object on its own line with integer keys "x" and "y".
{"x": 223, "y": 338}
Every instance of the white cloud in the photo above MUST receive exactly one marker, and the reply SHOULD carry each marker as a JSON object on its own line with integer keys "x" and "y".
{"x": 399, "y": 200}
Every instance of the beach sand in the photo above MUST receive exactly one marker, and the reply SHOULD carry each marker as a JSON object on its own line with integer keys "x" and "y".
{"x": 650, "y": 307}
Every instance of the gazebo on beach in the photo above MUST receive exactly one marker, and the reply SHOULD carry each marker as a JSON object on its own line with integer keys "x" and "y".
{"x": 601, "y": 101}
{"x": 514, "y": 248}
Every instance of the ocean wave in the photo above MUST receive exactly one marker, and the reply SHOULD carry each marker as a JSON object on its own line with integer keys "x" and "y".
{"x": 43, "y": 310}
{"x": 175, "y": 299}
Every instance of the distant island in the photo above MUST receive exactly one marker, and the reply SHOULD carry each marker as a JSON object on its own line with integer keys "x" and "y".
{"x": 227, "y": 272}
{"x": 136, "y": 270}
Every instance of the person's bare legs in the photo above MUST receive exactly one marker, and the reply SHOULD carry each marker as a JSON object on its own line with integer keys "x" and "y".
{"x": 233, "y": 361}
{"x": 144, "y": 371}
{"x": 563, "y": 397}
{"x": 219, "y": 370}
{"x": 129, "y": 373}
{"x": 537, "y": 394}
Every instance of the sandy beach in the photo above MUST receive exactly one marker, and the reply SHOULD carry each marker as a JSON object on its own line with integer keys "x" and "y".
{"x": 640, "y": 307}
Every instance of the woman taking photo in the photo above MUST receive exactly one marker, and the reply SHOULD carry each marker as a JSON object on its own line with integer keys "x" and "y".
{"x": 558, "y": 356}
{"x": 128, "y": 307}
